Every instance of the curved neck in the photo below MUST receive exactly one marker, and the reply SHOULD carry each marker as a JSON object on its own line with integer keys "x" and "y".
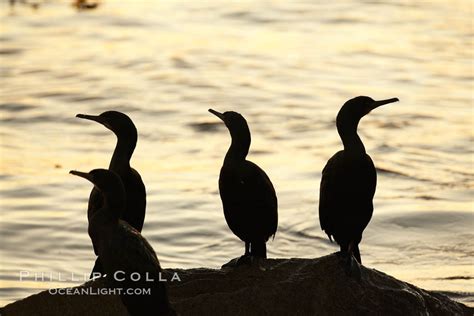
{"x": 113, "y": 206}
{"x": 103, "y": 221}
{"x": 347, "y": 130}
{"x": 105, "y": 216}
{"x": 239, "y": 148}
{"x": 122, "y": 154}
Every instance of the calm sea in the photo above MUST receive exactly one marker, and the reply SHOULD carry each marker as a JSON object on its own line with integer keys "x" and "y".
{"x": 287, "y": 67}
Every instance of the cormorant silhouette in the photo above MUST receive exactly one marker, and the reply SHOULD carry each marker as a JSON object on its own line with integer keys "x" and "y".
{"x": 122, "y": 126}
{"x": 349, "y": 180}
{"x": 123, "y": 251}
{"x": 247, "y": 194}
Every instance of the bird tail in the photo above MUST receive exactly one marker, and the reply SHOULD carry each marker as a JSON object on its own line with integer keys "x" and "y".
{"x": 258, "y": 249}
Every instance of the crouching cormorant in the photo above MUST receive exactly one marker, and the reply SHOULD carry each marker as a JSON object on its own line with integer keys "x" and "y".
{"x": 247, "y": 194}
{"x": 123, "y": 251}
{"x": 348, "y": 181}
{"x": 126, "y": 133}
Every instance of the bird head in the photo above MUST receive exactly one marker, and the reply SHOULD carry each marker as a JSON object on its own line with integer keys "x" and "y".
{"x": 117, "y": 122}
{"x": 239, "y": 131}
{"x": 353, "y": 110}
{"x": 234, "y": 121}
{"x": 360, "y": 106}
{"x": 108, "y": 183}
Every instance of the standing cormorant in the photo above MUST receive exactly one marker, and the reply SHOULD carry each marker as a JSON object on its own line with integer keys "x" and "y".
{"x": 247, "y": 194}
{"x": 349, "y": 180}
{"x": 126, "y": 133}
{"x": 123, "y": 251}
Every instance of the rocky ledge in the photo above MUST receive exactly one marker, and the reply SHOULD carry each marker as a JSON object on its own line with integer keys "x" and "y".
{"x": 268, "y": 287}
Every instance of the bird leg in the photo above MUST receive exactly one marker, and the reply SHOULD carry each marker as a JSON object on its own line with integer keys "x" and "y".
{"x": 254, "y": 251}
{"x": 258, "y": 249}
{"x": 352, "y": 265}
{"x": 354, "y": 250}
{"x": 343, "y": 254}
{"x": 247, "y": 257}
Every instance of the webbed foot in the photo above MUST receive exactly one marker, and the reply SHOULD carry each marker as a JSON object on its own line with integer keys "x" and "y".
{"x": 244, "y": 260}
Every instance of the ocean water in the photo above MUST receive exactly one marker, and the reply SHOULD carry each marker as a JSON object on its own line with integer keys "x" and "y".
{"x": 287, "y": 67}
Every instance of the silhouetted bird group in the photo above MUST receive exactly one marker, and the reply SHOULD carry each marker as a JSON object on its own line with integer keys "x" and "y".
{"x": 116, "y": 209}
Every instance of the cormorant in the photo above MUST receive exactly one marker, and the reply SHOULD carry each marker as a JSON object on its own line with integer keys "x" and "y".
{"x": 348, "y": 181}
{"x": 123, "y": 251}
{"x": 126, "y": 133}
{"x": 247, "y": 194}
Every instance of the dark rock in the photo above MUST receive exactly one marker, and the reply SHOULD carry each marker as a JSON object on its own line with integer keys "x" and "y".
{"x": 44, "y": 303}
{"x": 267, "y": 287}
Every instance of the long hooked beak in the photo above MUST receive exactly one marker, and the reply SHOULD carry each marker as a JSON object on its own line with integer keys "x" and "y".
{"x": 382, "y": 102}
{"x": 96, "y": 118}
{"x": 218, "y": 114}
{"x": 84, "y": 175}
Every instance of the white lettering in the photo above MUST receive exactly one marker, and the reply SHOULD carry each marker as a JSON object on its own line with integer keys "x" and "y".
{"x": 160, "y": 279}
{"x": 175, "y": 277}
{"x": 24, "y": 274}
{"x": 135, "y": 276}
{"x": 115, "y": 276}
{"x": 148, "y": 279}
